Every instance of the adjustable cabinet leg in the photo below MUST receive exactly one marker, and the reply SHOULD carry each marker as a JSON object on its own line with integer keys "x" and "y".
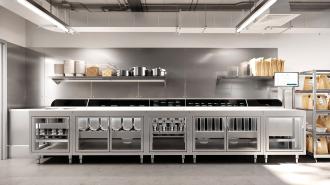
{"x": 297, "y": 158}
{"x": 194, "y": 159}
{"x": 141, "y": 159}
{"x": 182, "y": 157}
{"x": 266, "y": 159}
{"x": 152, "y": 159}
{"x": 255, "y": 158}
{"x": 70, "y": 159}
{"x": 80, "y": 159}
{"x": 38, "y": 159}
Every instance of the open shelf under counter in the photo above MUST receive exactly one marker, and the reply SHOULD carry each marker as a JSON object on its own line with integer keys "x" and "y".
{"x": 121, "y": 79}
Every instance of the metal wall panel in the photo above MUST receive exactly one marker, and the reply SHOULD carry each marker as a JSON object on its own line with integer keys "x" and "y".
{"x": 192, "y": 73}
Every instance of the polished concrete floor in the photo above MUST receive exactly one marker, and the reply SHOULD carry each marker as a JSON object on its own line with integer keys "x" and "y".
{"x": 166, "y": 170}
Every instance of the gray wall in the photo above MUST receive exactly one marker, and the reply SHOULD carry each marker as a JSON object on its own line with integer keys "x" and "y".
{"x": 16, "y": 96}
{"x": 16, "y": 76}
{"x": 191, "y": 73}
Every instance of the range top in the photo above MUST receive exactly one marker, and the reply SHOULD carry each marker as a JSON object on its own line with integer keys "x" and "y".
{"x": 189, "y": 102}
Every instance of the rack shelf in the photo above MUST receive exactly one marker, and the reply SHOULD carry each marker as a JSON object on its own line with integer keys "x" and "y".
{"x": 311, "y": 91}
{"x": 314, "y": 111}
{"x": 122, "y": 79}
{"x": 317, "y": 111}
{"x": 318, "y": 72}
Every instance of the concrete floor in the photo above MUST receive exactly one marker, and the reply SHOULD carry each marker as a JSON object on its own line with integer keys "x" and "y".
{"x": 166, "y": 170}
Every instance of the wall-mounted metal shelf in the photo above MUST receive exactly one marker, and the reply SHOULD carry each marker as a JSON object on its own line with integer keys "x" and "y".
{"x": 254, "y": 78}
{"x": 122, "y": 79}
{"x": 246, "y": 77}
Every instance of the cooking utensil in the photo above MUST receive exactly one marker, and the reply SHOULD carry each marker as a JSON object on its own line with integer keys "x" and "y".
{"x": 159, "y": 72}
{"x": 94, "y": 123}
{"x": 127, "y": 123}
{"x": 122, "y": 72}
{"x": 116, "y": 124}
{"x": 80, "y": 67}
{"x": 69, "y": 67}
{"x": 139, "y": 71}
{"x": 149, "y": 72}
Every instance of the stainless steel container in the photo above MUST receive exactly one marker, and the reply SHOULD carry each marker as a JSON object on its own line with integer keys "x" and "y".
{"x": 80, "y": 67}
{"x": 149, "y": 72}
{"x": 159, "y": 72}
{"x": 116, "y": 124}
{"x": 137, "y": 123}
{"x": 94, "y": 123}
{"x": 127, "y": 123}
{"x": 122, "y": 72}
{"x": 139, "y": 71}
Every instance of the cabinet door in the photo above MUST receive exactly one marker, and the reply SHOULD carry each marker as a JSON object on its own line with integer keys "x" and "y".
{"x": 209, "y": 133}
{"x": 168, "y": 134}
{"x": 93, "y": 134}
{"x": 285, "y": 134}
{"x": 126, "y": 134}
{"x": 243, "y": 134}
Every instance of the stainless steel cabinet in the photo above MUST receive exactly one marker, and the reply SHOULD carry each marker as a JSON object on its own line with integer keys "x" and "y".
{"x": 126, "y": 134}
{"x": 243, "y": 134}
{"x": 92, "y": 134}
{"x": 285, "y": 134}
{"x": 50, "y": 134}
{"x": 168, "y": 134}
{"x": 209, "y": 133}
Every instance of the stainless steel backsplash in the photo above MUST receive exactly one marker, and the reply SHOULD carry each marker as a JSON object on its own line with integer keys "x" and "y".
{"x": 192, "y": 73}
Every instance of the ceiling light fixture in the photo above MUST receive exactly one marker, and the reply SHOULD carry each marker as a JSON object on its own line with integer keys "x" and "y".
{"x": 42, "y": 12}
{"x": 260, "y": 9}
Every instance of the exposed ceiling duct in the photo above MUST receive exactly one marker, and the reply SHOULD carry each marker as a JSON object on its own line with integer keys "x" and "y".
{"x": 154, "y": 16}
{"x": 154, "y": 5}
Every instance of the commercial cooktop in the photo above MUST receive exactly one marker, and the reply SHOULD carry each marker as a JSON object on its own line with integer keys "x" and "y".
{"x": 189, "y": 102}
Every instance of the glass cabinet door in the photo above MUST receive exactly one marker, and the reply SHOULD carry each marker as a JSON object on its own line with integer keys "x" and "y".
{"x": 168, "y": 134}
{"x": 50, "y": 134}
{"x": 285, "y": 133}
{"x": 93, "y": 134}
{"x": 243, "y": 134}
{"x": 126, "y": 133}
{"x": 209, "y": 133}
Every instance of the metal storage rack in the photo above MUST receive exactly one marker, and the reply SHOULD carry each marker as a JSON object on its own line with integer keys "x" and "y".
{"x": 315, "y": 112}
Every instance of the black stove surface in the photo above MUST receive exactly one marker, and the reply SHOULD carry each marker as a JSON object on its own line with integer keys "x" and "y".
{"x": 166, "y": 102}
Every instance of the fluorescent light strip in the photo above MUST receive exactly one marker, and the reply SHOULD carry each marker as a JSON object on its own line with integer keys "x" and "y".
{"x": 257, "y": 12}
{"x": 44, "y": 15}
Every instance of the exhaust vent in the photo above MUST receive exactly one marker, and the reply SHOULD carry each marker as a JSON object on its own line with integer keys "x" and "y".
{"x": 271, "y": 23}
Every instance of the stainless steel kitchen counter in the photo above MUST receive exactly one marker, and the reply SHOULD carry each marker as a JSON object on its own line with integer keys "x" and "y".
{"x": 289, "y": 139}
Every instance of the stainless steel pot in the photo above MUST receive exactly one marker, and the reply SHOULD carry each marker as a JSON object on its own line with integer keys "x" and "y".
{"x": 122, "y": 72}
{"x": 149, "y": 72}
{"x": 159, "y": 71}
{"x": 139, "y": 71}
